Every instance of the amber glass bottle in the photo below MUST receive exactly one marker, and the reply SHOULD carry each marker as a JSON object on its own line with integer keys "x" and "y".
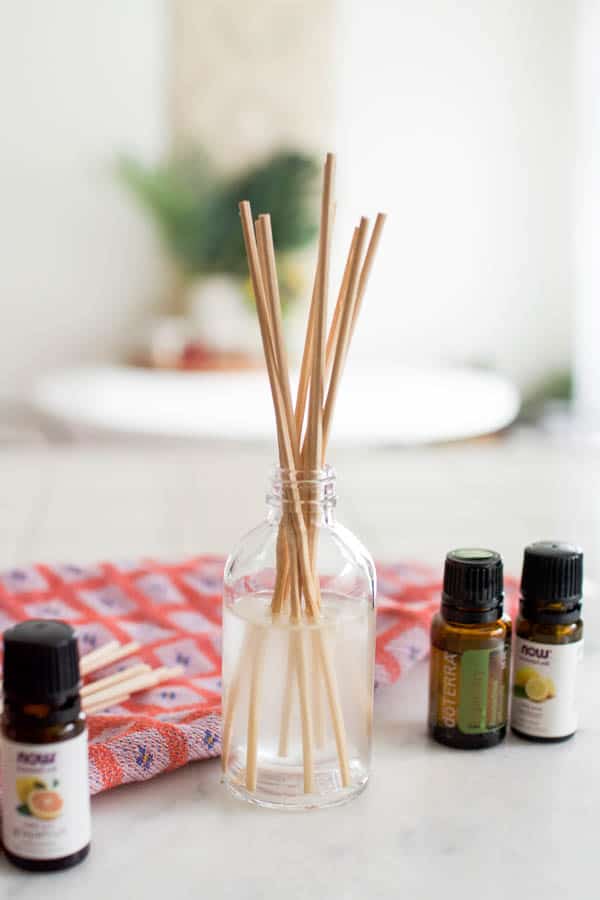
{"x": 46, "y": 801}
{"x": 470, "y": 653}
{"x": 548, "y": 643}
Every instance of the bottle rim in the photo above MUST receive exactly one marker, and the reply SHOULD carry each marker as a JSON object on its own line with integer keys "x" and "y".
{"x": 316, "y": 486}
{"x": 326, "y": 474}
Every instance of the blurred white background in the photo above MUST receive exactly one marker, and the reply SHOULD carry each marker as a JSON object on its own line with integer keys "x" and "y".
{"x": 459, "y": 119}
{"x": 79, "y": 82}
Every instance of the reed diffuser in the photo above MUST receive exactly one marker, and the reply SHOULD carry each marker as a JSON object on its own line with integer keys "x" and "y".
{"x": 299, "y": 594}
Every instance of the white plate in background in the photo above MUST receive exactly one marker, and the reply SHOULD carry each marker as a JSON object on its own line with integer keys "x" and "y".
{"x": 389, "y": 405}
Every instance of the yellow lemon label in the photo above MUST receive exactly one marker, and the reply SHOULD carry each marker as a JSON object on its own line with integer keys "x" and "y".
{"x": 544, "y": 702}
{"x": 536, "y": 688}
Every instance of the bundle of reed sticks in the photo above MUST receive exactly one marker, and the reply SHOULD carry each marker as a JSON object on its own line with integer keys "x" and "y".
{"x": 303, "y": 432}
{"x": 101, "y": 693}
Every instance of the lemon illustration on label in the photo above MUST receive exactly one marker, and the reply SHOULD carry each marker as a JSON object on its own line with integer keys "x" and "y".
{"x": 523, "y": 675}
{"x": 536, "y": 688}
{"x": 45, "y": 804}
{"x": 532, "y": 684}
{"x": 26, "y": 785}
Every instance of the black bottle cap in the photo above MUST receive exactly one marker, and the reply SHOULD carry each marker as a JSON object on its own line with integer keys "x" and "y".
{"x": 473, "y": 586}
{"x": 41, "y": 663}
{"x": 551, "y": 582}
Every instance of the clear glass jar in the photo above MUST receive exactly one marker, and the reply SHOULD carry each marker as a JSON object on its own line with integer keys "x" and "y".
{"x": 298, "y": 690}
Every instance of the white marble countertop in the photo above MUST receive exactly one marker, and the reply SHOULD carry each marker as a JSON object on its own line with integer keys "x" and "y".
{"x": 520, "y": 819}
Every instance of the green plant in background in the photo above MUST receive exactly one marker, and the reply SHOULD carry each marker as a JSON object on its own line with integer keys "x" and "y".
{"x": 555, "y": 387}
{"x": 196, "y": 211}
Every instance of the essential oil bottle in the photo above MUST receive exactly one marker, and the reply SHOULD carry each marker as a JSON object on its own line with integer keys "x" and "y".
{"x": 470, "y": 653}
{"x": 549, "y": 643}
{"x": 45, "y": 799}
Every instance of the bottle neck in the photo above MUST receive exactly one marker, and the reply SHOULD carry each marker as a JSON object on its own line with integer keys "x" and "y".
{"x": 314, "y": 492}
{"x": 557, "y": 612}
{"x": 41, "y": 712}
{"x": 459, "y": 616}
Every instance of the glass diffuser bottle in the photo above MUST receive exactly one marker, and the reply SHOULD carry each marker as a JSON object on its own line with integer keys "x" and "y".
{"x": 299, "y": 593}
{"x": 298, "y": 684}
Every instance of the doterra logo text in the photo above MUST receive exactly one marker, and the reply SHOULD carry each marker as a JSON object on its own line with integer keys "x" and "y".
{"x": 449, "y": 690}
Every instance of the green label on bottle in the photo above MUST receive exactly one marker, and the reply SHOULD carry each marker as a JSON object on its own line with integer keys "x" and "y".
{"x": 474, "y": 691}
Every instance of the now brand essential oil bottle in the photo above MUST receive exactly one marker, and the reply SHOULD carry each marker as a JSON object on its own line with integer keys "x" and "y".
{"x": 470, "y": 653}
{"x": 45, "y": 793}
{"x": 549, "y": 643}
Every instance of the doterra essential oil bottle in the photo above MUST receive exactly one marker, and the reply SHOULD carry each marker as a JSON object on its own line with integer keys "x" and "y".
{"x": 45, "y": 794}
{"x": 470, "y": 653}
{"x": 549, "y": 643}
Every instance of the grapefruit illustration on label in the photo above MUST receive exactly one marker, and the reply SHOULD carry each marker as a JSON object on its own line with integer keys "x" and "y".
{"x": 45, "y": 804}
{"x": 37, "y": 799}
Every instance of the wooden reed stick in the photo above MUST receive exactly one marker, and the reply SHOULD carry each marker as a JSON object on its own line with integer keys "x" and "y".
{"x": 334, "y": 328}
{"x": 314, "y": 433}
{"x": 313, "y": 361}
{"x": 335, "y": 709}
{"x": 282, "y": 583}
{"x": 333, "y": 335}
{"x": 94, "y": 708}
{"x": 286, "y": 453}
{"x": 266, "y": 253}
{"x": 368, "y": 265}
{"x": 283, "y": 563}
{"x": 345, "y": 330}
{"x": 332, "y": 340}
{"x": 332, "y": 343}
{"x": 102, "y": 683}
{"x": 134, "y": 685}
{"x": 313, "y": 450}
{"x": 306, "y": 365}
{"x": 288, "y": 692}
{"x": 317, "y": 697}
{"x": 168, "y": 673}
{"x": 88, "y": 660}
{"x": 291, "y": 584}
{"x": 88, "y": 665}
{"x": 293, "y": 673}
{"x": 266, "y": 249}
{"x": 304, "y": 382}
{"x": 305, "y": 716}
{"x": 320, "y": 651}
{"x": 287, "y": 457}
{"x": 283, "y": 426}
{"x": 256, "y": 672}
{"x": 230, "y": 700}
{"x": 298, "y": 659}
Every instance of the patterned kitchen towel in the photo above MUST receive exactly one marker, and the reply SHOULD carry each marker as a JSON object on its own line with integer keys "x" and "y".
{"x": 174, "y": 611}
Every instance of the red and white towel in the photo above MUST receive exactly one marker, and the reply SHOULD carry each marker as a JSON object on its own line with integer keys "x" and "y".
{"x": 174, "y": 611}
